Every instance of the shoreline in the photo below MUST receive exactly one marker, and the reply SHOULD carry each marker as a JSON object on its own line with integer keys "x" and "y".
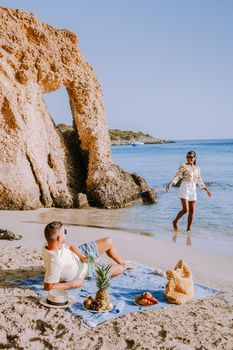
{"x": 197, "y": 243}
{"x": 86, "y": 218}
{"x": 45, "y": 215}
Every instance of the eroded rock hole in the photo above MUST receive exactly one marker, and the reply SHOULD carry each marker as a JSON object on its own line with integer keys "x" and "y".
{"x": 58, "y": 106}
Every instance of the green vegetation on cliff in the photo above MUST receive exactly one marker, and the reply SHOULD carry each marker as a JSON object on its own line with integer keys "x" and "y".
{"x": 65, "y": 128}
{"x": 117, "y": 135}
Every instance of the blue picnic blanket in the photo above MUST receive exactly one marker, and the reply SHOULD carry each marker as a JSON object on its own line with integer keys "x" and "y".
{"x": 124, "y": 287}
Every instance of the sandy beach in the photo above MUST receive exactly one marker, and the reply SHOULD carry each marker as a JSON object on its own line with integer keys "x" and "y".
{"x": 25, "y": 324}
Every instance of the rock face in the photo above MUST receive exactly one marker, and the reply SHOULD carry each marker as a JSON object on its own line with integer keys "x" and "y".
{"x": 179, "y": 288}
{"x": 38, "y": 167}
{"x": 81, "y": 201}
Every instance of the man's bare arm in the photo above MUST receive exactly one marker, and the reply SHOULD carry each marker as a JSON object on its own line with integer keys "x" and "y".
{"x": 82, "y": 257}
{"x": 76, "y": 283}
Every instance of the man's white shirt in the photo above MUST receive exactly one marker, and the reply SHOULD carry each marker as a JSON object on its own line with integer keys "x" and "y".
{"x": 62, "y": 265}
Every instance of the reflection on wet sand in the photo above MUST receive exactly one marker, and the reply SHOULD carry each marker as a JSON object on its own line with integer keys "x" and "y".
{"x": 188, "y": 239}
{"x": 174, "y": 236}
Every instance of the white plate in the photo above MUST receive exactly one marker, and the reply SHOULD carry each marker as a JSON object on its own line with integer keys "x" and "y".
{"x": 95, "y": 311}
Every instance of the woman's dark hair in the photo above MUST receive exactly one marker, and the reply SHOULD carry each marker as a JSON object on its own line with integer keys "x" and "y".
{"x": 192, "y": 153}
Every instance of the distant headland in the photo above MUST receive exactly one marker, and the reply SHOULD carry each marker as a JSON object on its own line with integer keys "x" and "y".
{"x": 123, "y": 137}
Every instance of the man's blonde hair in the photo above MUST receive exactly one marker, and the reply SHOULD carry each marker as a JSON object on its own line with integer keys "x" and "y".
{"x": 52, "y": 230}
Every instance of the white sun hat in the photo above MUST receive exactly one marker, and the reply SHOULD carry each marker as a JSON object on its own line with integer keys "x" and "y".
{"x": 58, "y": 299}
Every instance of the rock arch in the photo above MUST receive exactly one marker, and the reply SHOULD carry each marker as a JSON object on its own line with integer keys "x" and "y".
{"x": 37, "y": 166}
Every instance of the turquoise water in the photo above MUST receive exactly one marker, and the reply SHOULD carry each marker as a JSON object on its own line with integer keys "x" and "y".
{"x": 158, "y": 164}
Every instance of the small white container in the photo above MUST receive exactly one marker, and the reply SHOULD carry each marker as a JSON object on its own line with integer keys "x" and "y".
{"x": 120, "y": 306}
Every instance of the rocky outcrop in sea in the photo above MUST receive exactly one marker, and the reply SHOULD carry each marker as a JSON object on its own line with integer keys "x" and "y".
{"x": 39, "y": 166}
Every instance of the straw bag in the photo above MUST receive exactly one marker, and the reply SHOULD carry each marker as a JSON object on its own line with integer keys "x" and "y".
{"x": 179, "y": 288}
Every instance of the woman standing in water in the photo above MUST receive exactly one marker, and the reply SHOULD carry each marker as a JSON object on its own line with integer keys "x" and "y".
{"x": 190, "y": 175}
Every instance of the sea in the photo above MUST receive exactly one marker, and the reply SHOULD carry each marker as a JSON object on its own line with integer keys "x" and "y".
{"x": 158, "y": 163}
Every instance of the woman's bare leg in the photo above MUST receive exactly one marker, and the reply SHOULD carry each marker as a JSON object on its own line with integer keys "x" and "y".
{"x": 191, "y": 214}
{"x": 184, "y": 210}
{"x": 105, "y": 245}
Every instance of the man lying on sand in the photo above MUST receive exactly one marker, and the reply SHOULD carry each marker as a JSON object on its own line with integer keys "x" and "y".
{"x": 66, "y": 266}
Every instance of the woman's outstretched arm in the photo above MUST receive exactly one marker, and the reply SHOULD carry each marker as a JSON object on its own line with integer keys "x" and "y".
{"x": 177, "y": 177}
{"x": 201, "y": 183}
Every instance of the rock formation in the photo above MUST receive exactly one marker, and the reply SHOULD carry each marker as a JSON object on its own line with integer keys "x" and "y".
{"x": 9, "y": 235}
{"x": 38, "y": 168}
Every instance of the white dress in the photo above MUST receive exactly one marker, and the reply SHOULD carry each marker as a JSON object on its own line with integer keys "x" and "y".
{"x": 191, "y": 176}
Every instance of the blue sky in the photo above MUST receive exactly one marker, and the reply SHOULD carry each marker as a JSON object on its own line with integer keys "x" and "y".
{"x": 165, "y": 66}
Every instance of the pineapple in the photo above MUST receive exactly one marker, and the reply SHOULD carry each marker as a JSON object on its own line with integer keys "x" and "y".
{"x": 103, "y": 282}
